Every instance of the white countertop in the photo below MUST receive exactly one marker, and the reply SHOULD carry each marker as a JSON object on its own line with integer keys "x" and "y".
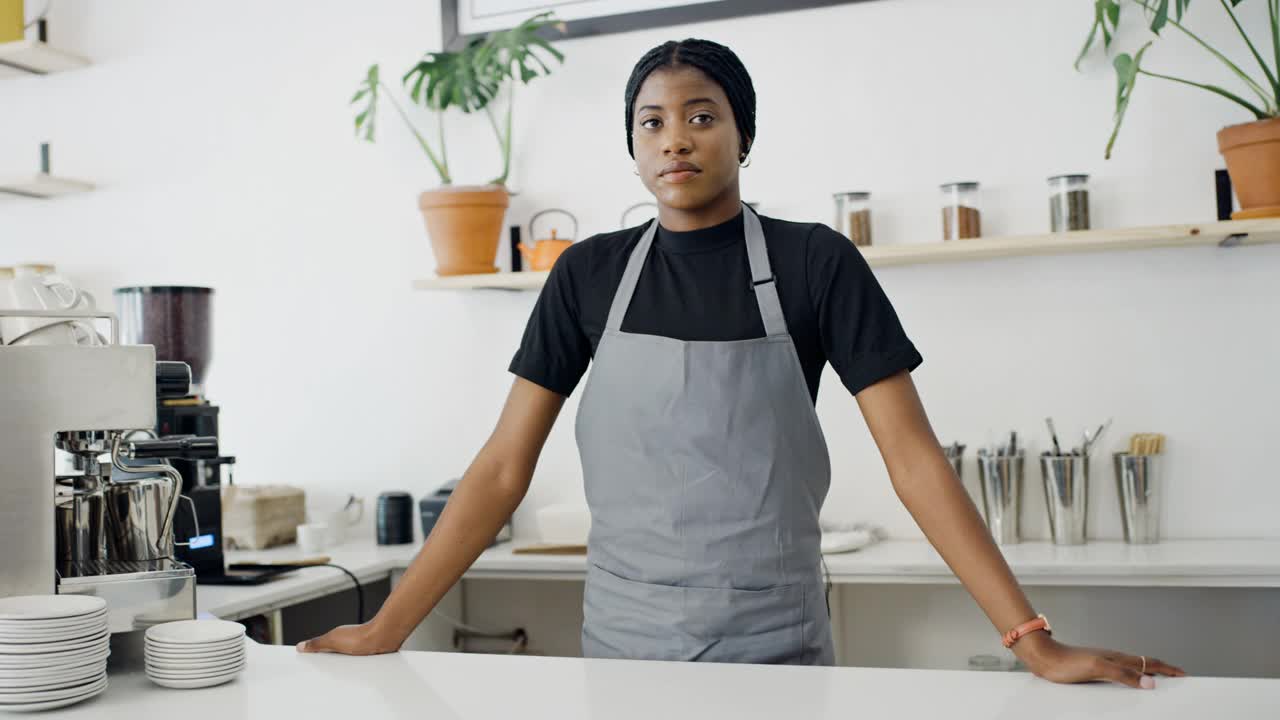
{"x": 279, "y": 683}
{"x": 1174, "y": 563}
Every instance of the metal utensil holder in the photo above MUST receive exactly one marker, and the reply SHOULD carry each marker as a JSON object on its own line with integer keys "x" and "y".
{"x": 1001, "y": 481}
{"x": 1141, "y": 489}
{"x": 1066, "y": 496}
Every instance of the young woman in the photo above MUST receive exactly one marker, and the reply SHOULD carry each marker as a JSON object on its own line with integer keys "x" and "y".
{"x": 704, "y": 464}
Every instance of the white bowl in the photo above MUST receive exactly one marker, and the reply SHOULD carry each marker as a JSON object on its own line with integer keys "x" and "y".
{"x": 49, "y": 607}
{"x": 195, "y": 632}
{"x": 193, "y": 683}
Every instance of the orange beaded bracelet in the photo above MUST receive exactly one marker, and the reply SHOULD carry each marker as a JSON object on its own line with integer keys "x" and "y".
{"x": 1040, "y": 623}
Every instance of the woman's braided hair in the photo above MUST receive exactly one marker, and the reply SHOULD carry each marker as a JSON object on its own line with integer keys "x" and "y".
{"x": 718, "y": 63}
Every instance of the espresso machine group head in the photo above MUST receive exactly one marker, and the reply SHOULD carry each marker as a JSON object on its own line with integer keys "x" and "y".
{"x": 81, "y": 408}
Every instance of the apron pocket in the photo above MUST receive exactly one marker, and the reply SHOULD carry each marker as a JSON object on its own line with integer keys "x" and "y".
{"x": 629, "y": 619}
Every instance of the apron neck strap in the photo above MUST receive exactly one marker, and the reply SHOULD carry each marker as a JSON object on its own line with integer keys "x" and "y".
{"x": 762, "y": 279}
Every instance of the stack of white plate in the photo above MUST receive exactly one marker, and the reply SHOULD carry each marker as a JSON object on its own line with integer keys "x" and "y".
{"x": 194, "y": 653}
{"x": 53, "y": 651}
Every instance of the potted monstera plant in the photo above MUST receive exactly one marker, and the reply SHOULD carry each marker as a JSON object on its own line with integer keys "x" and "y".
{"x": 464, "y": 222}
{"x": 1251, "y": 149}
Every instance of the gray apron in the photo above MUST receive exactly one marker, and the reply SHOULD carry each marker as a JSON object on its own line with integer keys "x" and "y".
{"x": 705, "y": 469}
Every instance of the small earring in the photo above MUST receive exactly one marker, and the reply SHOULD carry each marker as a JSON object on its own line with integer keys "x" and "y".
{"x": 636, "y": 170}
{"x": 744, "y": 161}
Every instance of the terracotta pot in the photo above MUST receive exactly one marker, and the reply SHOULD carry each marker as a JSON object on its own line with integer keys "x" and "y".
{"x": 1252, "y": 151}
{"x": 465, "y": 226}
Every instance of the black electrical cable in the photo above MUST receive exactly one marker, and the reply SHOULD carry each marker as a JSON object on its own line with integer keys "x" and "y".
{"x": 359, "y": 590}
{"x": 354, "y": 580}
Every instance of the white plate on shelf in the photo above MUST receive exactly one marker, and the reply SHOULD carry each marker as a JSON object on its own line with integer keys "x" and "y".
{"x": 41, "y": 696}
{"x": 59, "y": 677}
{"x": 195, "y": 632}
{"x": 197, "y": 672}
{"x": 62, "y": 659}
{"x": 193, "y": 684}
{"x": 53, "y": 704}
{"x": 49, "y": 607}
{"x": 162, "y": 658}
{"x": 41, "y": 648}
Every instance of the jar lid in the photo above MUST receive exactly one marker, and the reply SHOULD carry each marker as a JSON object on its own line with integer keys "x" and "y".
{"x": 1076, "y": 176}
{"x": 966, "y": 185}
{"x": 173, "y": 289}
{"x": 854, "y": 195}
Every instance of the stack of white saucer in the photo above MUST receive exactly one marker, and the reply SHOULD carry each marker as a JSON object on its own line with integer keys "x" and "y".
{"x": 194, "y": 653}
{"x": 53, "y": 651}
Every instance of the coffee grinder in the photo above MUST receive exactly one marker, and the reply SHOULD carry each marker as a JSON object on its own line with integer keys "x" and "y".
{"x": 178, "y": 321}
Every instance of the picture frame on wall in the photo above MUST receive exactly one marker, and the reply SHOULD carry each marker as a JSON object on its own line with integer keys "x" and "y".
{"x": 463, "y": 20}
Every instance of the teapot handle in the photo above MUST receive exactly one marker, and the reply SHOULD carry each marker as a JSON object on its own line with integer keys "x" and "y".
{"x": 622, "y": 221}
{"x": 359, "y": 505}
{"x": 56, "y": 282}
{"x": 540, "y": 213}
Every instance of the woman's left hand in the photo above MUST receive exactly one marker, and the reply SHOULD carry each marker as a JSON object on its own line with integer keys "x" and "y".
{"x": 1059, "y": 663}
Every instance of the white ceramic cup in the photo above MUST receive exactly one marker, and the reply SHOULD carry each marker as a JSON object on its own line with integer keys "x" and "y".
{"x": 37, "y": 287}
{"x": 312, "y": 537}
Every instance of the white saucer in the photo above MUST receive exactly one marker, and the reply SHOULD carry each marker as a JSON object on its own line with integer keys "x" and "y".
{"x": 49, "y": 607}
{"x": 62, "y": 659}
{"x": 42, "y": 648}
{"x": 58, "y": 624}
{"x": 161, "y": 664}
{"x": 10, "y": 699}
{"x": 45, "y": 636}
{"x": 189, "y": 649}
{"x": 71, "y": 666}
{"x": 193, "y": 684}
{"x": 52, "y": 704}
{"x": 197, "y": 672}
{"x": 195, "y": 632}
{"x": 163, "y": 658}
{"x": 53, "y": 680}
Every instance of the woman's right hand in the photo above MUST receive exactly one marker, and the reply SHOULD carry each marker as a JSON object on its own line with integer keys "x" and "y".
{"x": 351, "y": 640}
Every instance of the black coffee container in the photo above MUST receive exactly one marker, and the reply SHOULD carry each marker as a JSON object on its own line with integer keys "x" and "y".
{"x": 395, "y": 518}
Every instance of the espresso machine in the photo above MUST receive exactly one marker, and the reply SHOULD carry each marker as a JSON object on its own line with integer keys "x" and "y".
{"x": 74, "y": 518}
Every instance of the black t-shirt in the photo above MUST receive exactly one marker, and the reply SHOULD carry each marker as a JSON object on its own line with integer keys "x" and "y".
{"x": 697, "y": 286}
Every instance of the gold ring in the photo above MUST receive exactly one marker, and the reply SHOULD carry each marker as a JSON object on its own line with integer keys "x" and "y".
{"x": 1144, "y": 664}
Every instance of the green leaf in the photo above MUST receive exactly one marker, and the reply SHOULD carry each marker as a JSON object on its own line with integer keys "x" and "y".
{"x": 1126, "y": 77}
{"x": 1161, "y": 18}
{"x": 366, "y": 119}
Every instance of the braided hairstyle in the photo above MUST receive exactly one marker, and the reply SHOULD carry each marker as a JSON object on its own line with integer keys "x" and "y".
{"x": 718, "y": 63}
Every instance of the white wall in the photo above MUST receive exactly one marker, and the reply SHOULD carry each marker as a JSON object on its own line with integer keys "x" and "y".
{"x": 221, "y": 138}
{"x": 220, "y": 135}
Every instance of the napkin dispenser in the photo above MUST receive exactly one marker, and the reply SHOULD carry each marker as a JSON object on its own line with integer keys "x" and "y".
{"x": 431, "y": 506}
